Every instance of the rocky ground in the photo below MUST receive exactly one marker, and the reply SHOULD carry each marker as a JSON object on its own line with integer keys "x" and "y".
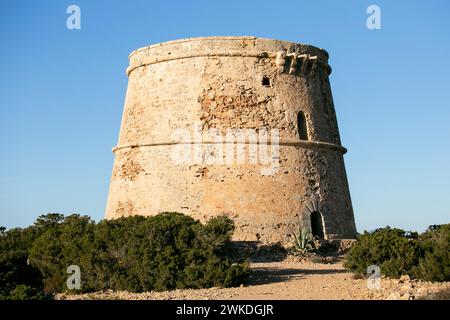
{"x": 294, "y": 279}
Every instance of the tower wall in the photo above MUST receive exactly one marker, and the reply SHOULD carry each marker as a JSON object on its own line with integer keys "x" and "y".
{"x": 220, "y": 83}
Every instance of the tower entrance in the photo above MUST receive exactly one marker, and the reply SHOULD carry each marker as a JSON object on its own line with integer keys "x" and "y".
{"x": 316, "y": 225}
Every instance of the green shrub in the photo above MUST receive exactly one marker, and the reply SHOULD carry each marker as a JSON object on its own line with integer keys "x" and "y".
{"x": 18, "y": 279}
{"x": 397, "y": 253}
{"x": 62, "y": 242}
{"x": 434, "y": 265}
{"x": 166, "y": 251}
{"x": 393, "y": 250}
{"x": 24, "y": 292}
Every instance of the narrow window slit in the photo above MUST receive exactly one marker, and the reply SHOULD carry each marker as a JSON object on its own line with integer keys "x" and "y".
{"x": 301, "y": 126}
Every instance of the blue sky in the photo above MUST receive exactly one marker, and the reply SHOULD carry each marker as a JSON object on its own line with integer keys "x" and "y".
{"x": 62, "y": 93}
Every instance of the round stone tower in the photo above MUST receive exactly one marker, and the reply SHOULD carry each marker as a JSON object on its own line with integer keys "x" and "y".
{"x": 237, "y": 126}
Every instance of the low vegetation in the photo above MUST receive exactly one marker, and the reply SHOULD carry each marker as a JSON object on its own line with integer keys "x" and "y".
{"x": 396, "y": 252}
{"x": 166, "y": 251}
{"x": 171, "y": 250}
{"x": 302, "y": 243}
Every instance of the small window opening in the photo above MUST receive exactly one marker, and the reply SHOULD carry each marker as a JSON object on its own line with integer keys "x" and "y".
{"x": 266, "y": 81}
{"x": 301, "y": 126}
{"x": 316, "y": 225}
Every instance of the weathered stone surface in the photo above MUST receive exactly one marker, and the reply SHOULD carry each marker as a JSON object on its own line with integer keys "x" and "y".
{"x": 242, "y": 83}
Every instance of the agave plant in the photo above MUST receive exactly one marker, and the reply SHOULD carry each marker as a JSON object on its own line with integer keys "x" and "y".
{"x": 303, "y": 242}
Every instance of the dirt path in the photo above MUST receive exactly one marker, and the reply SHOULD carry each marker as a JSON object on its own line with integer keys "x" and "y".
{"x": 292, "y": 280}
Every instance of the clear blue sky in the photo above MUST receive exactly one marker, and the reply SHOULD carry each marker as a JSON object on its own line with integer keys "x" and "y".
{"x": 62, "y": 93}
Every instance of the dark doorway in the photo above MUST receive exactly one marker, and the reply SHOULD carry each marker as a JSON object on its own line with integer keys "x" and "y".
{"x": 301, "y": 126}
{"x": 316, "y": 225}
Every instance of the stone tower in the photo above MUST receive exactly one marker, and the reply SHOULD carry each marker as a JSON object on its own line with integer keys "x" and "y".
{"x": 240, "y": 126}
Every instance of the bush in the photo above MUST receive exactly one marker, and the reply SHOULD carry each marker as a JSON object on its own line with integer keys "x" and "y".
{"x": 391, "y": 249}
{"x": 18, "y": 279}
{"x": 24, "y": 292}
{"x": 166, "y": 251}
{"x": 434, "y": 265}
{"x": 398, "y": 253}
{"x": 62, "y": 242}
